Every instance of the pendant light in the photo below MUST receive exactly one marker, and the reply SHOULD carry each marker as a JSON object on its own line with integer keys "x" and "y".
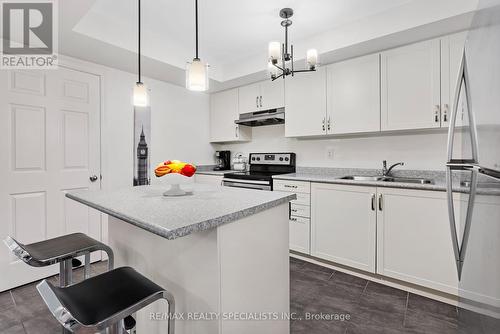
{"x": 197, "y": 71}
{"x": 140, "y": 89}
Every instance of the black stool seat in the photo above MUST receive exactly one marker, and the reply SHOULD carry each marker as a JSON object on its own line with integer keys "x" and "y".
{"x": 48, "y": 252}
{"x": 103, "y": 300}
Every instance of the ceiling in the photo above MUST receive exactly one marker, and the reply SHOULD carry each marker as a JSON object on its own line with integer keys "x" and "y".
{"x": 234, "y": 33}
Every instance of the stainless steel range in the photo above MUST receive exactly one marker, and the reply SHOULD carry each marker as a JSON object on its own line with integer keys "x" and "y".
{"x": 262, "y": 168}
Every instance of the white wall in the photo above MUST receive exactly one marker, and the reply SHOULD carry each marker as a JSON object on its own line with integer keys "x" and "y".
{"x": 179, "y": 124}
{"x": 417, "y": 150}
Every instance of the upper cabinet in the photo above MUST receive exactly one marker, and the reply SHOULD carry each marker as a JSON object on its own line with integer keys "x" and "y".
{"x": 354, "y": 95}
{"x": 407, "y": 88}
{"x": 264, "y": 95}
{"x": 223, "y": 113}
{"x": 305, "y": 104}
{"x": 452, "y": 49}
{"x": 410, "y": 87}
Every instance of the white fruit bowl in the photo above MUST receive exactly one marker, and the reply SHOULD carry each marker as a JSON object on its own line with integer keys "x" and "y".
{"x": 175, "y": 180}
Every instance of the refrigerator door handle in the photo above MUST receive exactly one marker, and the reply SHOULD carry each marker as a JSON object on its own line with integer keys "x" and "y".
{"x": 460, "y": 247}
{"x": 463, "y": 81}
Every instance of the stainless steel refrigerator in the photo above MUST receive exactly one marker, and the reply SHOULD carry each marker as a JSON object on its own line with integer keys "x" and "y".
{"x": 473, "y": 174}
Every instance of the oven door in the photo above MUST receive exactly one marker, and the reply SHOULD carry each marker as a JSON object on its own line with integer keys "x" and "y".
{"x": 249, "y": 184}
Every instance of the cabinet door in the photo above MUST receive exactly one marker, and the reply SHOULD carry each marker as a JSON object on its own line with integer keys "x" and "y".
{"x": 299, "y": 234}
{"x": 305, "y": 104}
{"x": 343, "y": 224}
{"x": 413, "y": 239}
{"x": 272, "y": 94}
{"x": 452, "y": 48}
{"x": 410, "y": 78}
{"x": 223, "y": 113}
{"x": 354, "y": 95}
{"x": 249, "y": 98}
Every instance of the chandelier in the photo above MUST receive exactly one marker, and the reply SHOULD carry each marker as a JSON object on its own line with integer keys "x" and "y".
{"x": 281, "y": 60}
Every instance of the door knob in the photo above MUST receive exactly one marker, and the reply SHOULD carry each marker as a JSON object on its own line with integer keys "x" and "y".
{"x": 93, "y": 178}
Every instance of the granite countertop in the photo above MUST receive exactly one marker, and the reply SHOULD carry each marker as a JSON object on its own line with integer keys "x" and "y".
{"x": 204, "y": 208}
{"x": 334, "y": 175}
{"x": 209, "y": 170}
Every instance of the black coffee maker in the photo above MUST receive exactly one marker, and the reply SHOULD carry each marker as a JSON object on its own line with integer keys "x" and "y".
{"x": 223, "y": 160}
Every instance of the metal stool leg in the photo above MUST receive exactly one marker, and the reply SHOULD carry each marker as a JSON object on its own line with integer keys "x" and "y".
{"x": 86, "y": 270}
{"x": 65, "y": 279}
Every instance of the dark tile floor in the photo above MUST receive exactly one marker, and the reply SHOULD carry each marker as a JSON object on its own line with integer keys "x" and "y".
{"x": 355, "y": 305}
{"x": 371, "y": 307}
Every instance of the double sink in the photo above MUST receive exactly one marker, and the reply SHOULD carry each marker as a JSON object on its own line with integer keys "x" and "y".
{"x": 387, "y": 179}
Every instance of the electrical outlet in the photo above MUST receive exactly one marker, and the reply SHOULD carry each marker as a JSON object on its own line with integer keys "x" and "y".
{"x": 330, "y": 154}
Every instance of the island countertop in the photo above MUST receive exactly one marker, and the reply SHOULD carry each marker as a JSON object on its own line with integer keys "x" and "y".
{"x": 205, "y": 207}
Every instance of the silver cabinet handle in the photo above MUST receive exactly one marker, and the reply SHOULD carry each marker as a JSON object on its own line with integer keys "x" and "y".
{"x": 373, "y": 202}
{"x": 293, "y": 219}
{"x": 261, "y": 101}
{"x": 380, "y": 206}
{"x": 93, "y": 178}
{"x": 329, "y": 123}
{"x": 437, "y": 109}
{"x": 324, "y": 120}
{"x": 257, "y": 101}
{"x": 236, "y": 131}
{"x": 446, "y": 107}
{"x": 289, "y": 186}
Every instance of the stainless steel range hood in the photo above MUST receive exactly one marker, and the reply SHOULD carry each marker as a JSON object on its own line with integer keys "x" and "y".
{"x": 261, "y": 118}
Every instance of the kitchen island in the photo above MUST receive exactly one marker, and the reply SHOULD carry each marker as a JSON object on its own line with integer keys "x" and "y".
{"x": 222, "y": 252}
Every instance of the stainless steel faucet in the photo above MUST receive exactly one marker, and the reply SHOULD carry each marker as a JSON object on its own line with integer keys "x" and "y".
{"x": 386, "y": 171}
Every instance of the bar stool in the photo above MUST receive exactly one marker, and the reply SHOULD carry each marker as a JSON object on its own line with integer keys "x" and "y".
{"x": 60, "y": 250}
{"x": 103, "y": 301}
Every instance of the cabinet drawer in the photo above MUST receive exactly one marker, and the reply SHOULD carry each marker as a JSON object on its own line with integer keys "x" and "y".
{"x": 302, "y": 199}
{"x": 300, "y": 210}
{"x": 292, "y": 186}
{"x": 300, "y": 234}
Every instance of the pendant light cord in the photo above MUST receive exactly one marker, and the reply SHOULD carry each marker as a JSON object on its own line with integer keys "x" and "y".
{"x": 196, "y": 20}
{"x": 139, "y": 40}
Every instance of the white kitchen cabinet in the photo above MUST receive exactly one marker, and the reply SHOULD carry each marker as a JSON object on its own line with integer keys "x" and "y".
{"x": 299, "y": 234}
{"x": 305, "y": 104}
{"x": 354, "y": 95}
{"x": 299, "y": 213}
{"x": 452, "y": 48}
{"x": 343, "y": 224}
{"x": 208, "y": 179}
{"x": 410, "y": 87}
{"x": 223, "y": 113}
{"x": 413, "y": 238}
{"x": 263, "y": 95}
{"x": 249, "y": 98}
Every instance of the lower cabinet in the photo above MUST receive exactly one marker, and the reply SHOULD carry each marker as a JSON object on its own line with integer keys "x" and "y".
{"x": 344, "y": 224}
{"x": 413, "y": 238}
{"x": 300, "y": 213}
{"x": 398, "y": 233}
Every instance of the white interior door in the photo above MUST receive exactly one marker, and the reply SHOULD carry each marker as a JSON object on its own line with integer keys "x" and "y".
{"x": 50, "y": 125}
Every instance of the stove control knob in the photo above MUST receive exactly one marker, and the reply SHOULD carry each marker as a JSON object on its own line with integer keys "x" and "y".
{"x": 281, "y": 158}
{"x": 253, "y": 158}
{"x": 258, "y": 159}
{"x": 286, "y": 159}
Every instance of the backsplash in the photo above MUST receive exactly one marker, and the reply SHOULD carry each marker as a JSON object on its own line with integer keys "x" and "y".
{"x": 426, "y": 150}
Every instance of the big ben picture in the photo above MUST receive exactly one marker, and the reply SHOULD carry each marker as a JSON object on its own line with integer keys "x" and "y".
{"x": 142, "y": 135}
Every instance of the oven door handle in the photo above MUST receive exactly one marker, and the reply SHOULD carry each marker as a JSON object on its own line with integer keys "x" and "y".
{"x": 265, "y": 183}
{"x": 247, "y": 185}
